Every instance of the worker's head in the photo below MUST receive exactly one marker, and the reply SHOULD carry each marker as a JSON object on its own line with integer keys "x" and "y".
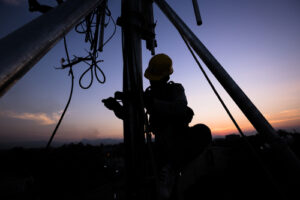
{"x": 159, "y": 68}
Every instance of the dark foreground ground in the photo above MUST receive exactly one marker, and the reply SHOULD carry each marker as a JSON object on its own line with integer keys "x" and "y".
{"x": 78, "y": 171}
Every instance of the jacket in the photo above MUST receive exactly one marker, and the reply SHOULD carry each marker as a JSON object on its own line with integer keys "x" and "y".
{"x": 168, "y": 109}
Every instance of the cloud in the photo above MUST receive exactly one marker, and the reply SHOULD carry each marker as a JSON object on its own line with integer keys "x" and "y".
{"x": 285, "y": 116}
{"x": 290, "y": 113}
{"x": 41, "y": 118}
{"x": 284, "y": 120}
{"x": 13, "y": 2}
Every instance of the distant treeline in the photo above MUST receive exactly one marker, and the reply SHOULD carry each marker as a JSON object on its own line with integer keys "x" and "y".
{"x": 258, "y": 141}
{"x": 71, "y": 171}
{"x": 83, "y": 171}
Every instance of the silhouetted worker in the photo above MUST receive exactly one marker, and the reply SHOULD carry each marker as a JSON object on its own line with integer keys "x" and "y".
{"x": 175, "y": 142}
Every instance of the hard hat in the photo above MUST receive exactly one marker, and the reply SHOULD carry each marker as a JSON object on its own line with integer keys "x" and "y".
{"x": 159, "y": 67}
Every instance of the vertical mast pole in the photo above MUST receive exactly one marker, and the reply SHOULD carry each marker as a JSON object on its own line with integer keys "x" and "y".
{"x": 133, "y": 103}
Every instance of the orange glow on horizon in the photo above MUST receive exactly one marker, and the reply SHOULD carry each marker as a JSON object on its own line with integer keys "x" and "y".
{"x": 230, "y": 130}
{"x": 283, "y": 119}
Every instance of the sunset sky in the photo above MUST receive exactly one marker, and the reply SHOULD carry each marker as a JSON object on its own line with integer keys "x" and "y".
{"x": 256, "y": 41}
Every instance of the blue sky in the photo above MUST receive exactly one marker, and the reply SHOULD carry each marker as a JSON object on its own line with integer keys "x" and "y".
{"x": 256, "y": 41}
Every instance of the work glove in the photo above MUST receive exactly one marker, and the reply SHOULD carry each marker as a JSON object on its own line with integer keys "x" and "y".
{"x": 111, "y": 103}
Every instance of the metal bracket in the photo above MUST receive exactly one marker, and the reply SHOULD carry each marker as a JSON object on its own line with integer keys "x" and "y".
{"x": 142, "y": 23}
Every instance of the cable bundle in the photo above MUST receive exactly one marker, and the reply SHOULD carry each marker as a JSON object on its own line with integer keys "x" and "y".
{"x": 93, "y": 27}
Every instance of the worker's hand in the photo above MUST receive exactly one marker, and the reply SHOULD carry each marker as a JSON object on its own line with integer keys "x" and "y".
{"x": 111, "y": 103}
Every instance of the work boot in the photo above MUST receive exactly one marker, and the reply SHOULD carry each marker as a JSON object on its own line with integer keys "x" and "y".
{"x": 166, "y": 183}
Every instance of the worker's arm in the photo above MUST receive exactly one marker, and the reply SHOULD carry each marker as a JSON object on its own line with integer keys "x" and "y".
{"x": 112, "y": 104}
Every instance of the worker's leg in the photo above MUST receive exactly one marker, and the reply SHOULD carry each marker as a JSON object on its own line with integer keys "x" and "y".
{"x": 193, "y": 143}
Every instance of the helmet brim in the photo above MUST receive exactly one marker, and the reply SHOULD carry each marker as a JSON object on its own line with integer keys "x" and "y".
{"x": 156, "y": 77}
